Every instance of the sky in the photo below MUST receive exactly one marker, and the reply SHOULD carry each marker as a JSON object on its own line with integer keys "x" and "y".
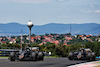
{"x": 42, "y": 12}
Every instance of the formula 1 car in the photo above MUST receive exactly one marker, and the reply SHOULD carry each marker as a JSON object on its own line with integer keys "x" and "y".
{"x": 82, "y": 54}
{"x": 26, "y": 54}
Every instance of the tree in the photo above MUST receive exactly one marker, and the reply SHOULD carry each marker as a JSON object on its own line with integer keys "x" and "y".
{"x": 12, "y": 36}
{"x": 33, "y": 35}
{"x": 58, "y": 51}
{"x": 18, "y": 40}
{"x": 64, "y": 51}
{"x": 41, "y": 47}
{"x": 68, "y": 34}
{"x": 42, "y": 37}
{"x": 34, "y": 45}
{"x": 46, "y": 34}
{"x": 96, "y": 48}
{"x": 45, "y": 49}
{"x": 89, "y": 45}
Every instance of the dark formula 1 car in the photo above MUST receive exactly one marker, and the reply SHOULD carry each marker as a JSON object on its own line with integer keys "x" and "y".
{"x": 82, "y": 54}
{"x": 26, "y": 54}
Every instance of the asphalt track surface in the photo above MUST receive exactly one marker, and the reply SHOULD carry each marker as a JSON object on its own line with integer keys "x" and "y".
{"x": 48, "y": 62}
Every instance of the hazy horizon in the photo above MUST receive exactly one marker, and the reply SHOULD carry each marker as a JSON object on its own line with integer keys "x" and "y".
{"x": 49, "y": 23}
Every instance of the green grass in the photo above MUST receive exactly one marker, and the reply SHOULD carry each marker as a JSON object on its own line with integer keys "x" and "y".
{"x": 98, "y": 62}
{"x": 3, "y": 57}
{"x": 97, "y": 66}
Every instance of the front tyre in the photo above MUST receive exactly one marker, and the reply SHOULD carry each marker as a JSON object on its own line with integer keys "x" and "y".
{"x": 12, "y": 56}
{"x": 70, "y": 57}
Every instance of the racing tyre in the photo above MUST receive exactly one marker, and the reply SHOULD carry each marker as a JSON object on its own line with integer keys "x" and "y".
{"x": 93, "y": 56}
{"x": 70, "y": 56}
{"x": 12, "y": 56}
{"x": 33, "y": 56}
{"x": 40, "y": 56}
{"x": 89, "y": 56}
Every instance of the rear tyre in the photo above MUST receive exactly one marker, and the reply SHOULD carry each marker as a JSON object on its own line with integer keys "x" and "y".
{"x": 93, "y": 56}
{"x": 40, "y": 56}
{"x": 89, "y": 56}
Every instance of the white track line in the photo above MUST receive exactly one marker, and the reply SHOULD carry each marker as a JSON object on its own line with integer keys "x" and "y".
{"x": 88, "y": 64}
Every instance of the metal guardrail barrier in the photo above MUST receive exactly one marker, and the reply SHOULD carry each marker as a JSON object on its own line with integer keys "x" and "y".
{"x": 6, "y": 52}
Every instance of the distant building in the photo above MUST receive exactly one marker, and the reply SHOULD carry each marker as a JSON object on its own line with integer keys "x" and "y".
{"x": 3, "y": 42}
{"x": 43, "y": 43}
{"x": 89, "y": 39}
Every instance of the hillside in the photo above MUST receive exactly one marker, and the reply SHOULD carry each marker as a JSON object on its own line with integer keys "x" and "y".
{"x": 15, "y": 29}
